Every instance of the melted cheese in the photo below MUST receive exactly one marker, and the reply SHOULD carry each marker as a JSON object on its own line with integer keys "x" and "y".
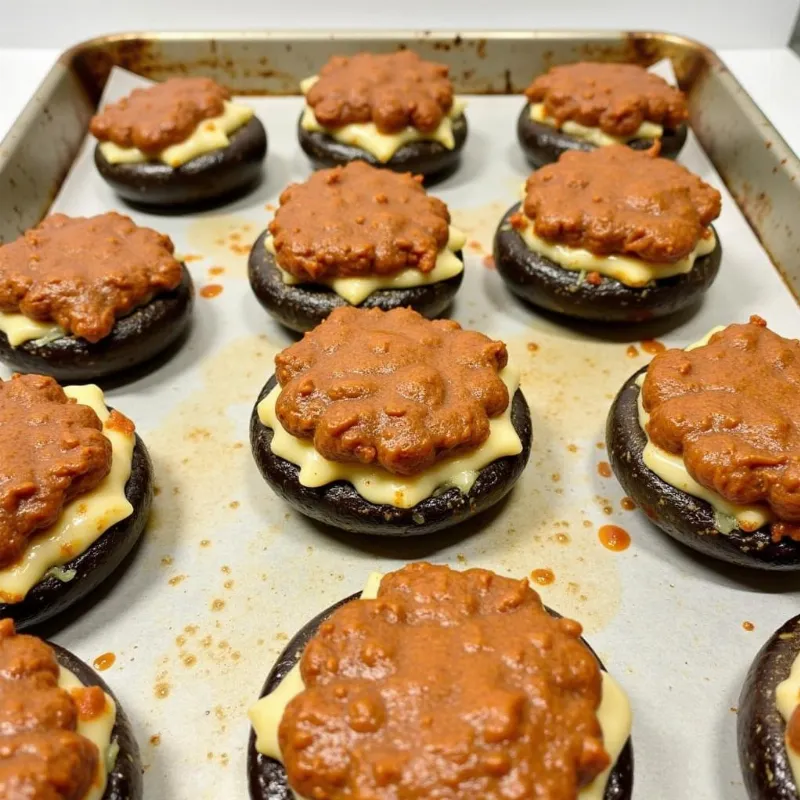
{"x": 631, "y": 271}
{"x": 672, "y": 470}
{"x": 357, "y": 289}
{"x": 20, "y": 329}
{"x": 85, "y": 519}
{"x": 787, "y": 698}
{"x": 98, "y": 731}
{"x": 379, "y": 486}
{"x": 210, "y": 134}
{"x": 366, "y": 135}
{"x": 613, "y": 714}
{"x": 596, "y": 136}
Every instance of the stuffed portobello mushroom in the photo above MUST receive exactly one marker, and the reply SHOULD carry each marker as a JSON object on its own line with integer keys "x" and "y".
{"x": 83, "y": 298}
{"x": 425, "y": 711}
{"x": 179, "y": 143}
{"x": 588, "y": 105}
{"x": 76, "y": 486}
{"x": 391, "y": 110}
{"x": 768, "y": 723}
{"x": 613, "y": 235}
{"x": 360, "y": 236}
{"x": 390, "y": 424}
{"x": 706, "y": 441}
{"x": 64, "y": 735}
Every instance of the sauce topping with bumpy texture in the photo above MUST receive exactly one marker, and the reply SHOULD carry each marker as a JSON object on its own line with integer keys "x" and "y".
{"x": 731, "y": 409}
{"x": 83, "y": 273}
{"x": 42, "y": 757}
{"x": 51, "y": 450}
{"x": 391, "y": 388}
{"x": 152, "y": 119}
{"x": 616, "y": 200}
{"x": 395, "y": 91}
{"x": 454, "y": 685}
{"x": 358, "y": 220}
{"x": 617, "y": 98}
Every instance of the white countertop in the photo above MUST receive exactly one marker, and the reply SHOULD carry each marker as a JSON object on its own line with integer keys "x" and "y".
{"x": 771, "y": 76}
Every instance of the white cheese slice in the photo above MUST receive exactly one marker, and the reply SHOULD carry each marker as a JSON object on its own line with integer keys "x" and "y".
{"x": 381, "y": 145}
{"x": 357, "y": 289}
{"x": 210, "y": 134}
{"x": 20, "y": 329}
{"x": 379, "y": 486}
{"x": 613, "y": 714}
{"x": 787, "y": 698}
{"x": 628, "y": 270}
{"x": 85, "y": 519}
{"x": 98, "y": 731}
{"x": 596, "y": 136}
{"x": 672, "y": 470}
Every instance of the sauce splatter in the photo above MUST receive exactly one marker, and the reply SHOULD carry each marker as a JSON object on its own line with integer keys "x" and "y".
{"x": 532, "y": 347}
{"x": 211, "y": 290}
{"x": 155, "y": 739}
{"x": 562, "y": 538}
{"x": 216, "y": 270}
{"x": 631, "y": 352}
{"x": 604, "y": 469}
{"x": 543, "y": 577}
{"x": 614, "y": 538}
{"x": 748, "y": 626}
{"x": 161, "y": 690}
{"x": 627, "y": 504}
{"x": 488, "y": 262}
{"x": 104, "y": 662}
{"x": 190, "y": 257}
{"x": 475, "y": 245}
{"x": 653, "y": 346}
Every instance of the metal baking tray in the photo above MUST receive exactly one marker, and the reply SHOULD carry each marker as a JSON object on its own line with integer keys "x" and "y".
{"x": 226, "y": 572}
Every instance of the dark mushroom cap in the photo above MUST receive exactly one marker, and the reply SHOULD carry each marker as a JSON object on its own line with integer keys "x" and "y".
{"x": 428, "y": 158}
{"x": 267, "y": 777}
{"x": 215, "y": 176}
{"x": 543, "y": 144}
{"x": 542, "y": 282}
{"x": 687, "y": 519}
{"x": 340, "y": 505}
{"x": 135, "y": 339}
{"x": 760, "y": 728}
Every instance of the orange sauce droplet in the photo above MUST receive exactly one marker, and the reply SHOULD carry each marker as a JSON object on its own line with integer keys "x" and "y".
{"x": 614, "y": 538}
{"x": 488, "y": 262}
{"x": 544, "y": 577}
{"x": 104, "y": 662}
{"x": 631, "y": 352}
{"x": 653, "y": 346}
{"x": 211, "y": 290}
{"x": 562, "y": 538}
{"x": 216, "y": 270}
{"x": 627, "y": 504}
{"x": 604, "y": 469}
{"x": 748, "y": 626}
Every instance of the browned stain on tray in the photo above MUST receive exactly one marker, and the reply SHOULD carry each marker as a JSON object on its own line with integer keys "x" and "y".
{"x": 226, "y": 241}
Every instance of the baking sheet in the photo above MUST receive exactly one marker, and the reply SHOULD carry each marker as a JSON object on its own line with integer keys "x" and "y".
{"x": 227, "y": 572}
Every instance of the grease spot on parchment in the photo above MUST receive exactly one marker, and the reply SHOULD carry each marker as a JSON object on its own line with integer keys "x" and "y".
{"x": 568, "y": 383}
{"x": 225, "y": 240}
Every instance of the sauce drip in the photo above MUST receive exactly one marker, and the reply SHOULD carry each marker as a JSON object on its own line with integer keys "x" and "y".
{"x": 627, "y": 504}
{"x": 543, "y": 577}
{"x": 104, "y": 662}
{"x": 653, "y": 346}
{"x": 614, "y": 538}
{"x": 604, "y": 469}
{"x": 748, "y": 626}
{"x": 211, "y": 290}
